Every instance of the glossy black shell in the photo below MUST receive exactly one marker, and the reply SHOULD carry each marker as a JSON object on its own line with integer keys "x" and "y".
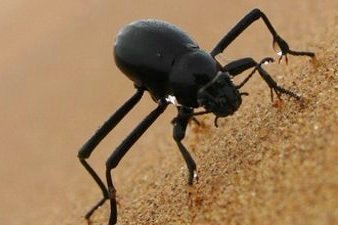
{"x": 146, "y": 50}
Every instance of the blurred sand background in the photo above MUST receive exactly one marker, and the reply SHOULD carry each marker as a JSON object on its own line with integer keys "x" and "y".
{"x": 58, "y": 83}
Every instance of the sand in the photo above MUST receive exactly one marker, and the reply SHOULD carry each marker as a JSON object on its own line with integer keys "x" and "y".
{"x": 263, "y": 165}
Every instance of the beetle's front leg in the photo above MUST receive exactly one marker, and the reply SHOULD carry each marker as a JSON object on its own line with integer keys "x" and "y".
{"x": 244, "y": 23}
{"x": 180, "y": 125}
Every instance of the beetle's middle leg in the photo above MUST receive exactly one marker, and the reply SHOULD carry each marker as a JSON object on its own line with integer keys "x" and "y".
{"x": 180, "y": 125}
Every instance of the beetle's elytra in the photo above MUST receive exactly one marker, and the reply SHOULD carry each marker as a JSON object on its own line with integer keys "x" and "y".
{"x": 160, "y": 58}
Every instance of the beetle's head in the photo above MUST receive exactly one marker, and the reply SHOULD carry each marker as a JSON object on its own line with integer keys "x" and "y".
{"x": 220, "y": 96}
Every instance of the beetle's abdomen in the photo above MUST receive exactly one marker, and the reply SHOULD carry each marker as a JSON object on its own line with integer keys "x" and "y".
{"x": 145, "y": 51}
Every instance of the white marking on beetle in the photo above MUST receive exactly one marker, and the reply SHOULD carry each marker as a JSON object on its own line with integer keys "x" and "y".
{"x": 172, "y": 99}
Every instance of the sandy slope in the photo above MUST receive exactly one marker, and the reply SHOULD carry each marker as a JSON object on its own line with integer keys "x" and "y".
{"x": 262, "y": 166}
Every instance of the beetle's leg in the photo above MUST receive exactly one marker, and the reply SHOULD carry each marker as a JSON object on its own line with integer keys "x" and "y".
{"x": 244, "y": 23}
{"x": 274, "y": 86}
{"x": 180, "y": 124}
{"x": 236, "y": 67}
{"x": 123, "y": 148}
{"x": 102, "y": 132}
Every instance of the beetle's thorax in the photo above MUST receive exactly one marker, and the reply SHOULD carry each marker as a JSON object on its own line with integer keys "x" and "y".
{"x": 189, "y": 73}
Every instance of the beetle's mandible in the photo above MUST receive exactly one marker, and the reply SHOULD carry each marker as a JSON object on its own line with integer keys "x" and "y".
{"x": 161, "y": 59}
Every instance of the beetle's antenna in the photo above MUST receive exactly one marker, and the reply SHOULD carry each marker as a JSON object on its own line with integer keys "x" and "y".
{"x": 215, "y": 121}
{"x": 201, "y": 113}
{"x": 244, "y": 93}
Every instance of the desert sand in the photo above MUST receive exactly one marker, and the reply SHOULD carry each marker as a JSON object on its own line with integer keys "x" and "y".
{"x": 263, "y": 165}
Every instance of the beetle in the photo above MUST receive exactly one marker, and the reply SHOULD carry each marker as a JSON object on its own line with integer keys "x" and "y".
{"x": 160, "y": 58}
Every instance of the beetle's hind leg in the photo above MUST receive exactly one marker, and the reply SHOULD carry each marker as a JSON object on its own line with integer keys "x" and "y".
{"x": 123, "y": 148}
{"x": 99, "y": 135}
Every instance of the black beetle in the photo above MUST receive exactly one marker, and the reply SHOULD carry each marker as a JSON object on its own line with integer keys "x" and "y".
{"x": 162, "y": 59}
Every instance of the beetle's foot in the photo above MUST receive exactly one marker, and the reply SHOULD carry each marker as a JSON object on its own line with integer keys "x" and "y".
{"x": 281, "y": 47}
{"x": 278, "y": 103}
{"x": 195, "y": 197}
{"x": 191, "y": 189}
{"x": 279, "y": 91}
{"x": 95, "y": 207}
{"x": 196, "y": 176}
{"x": 192, "y": 177}
{"x": 89, "y": 222}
